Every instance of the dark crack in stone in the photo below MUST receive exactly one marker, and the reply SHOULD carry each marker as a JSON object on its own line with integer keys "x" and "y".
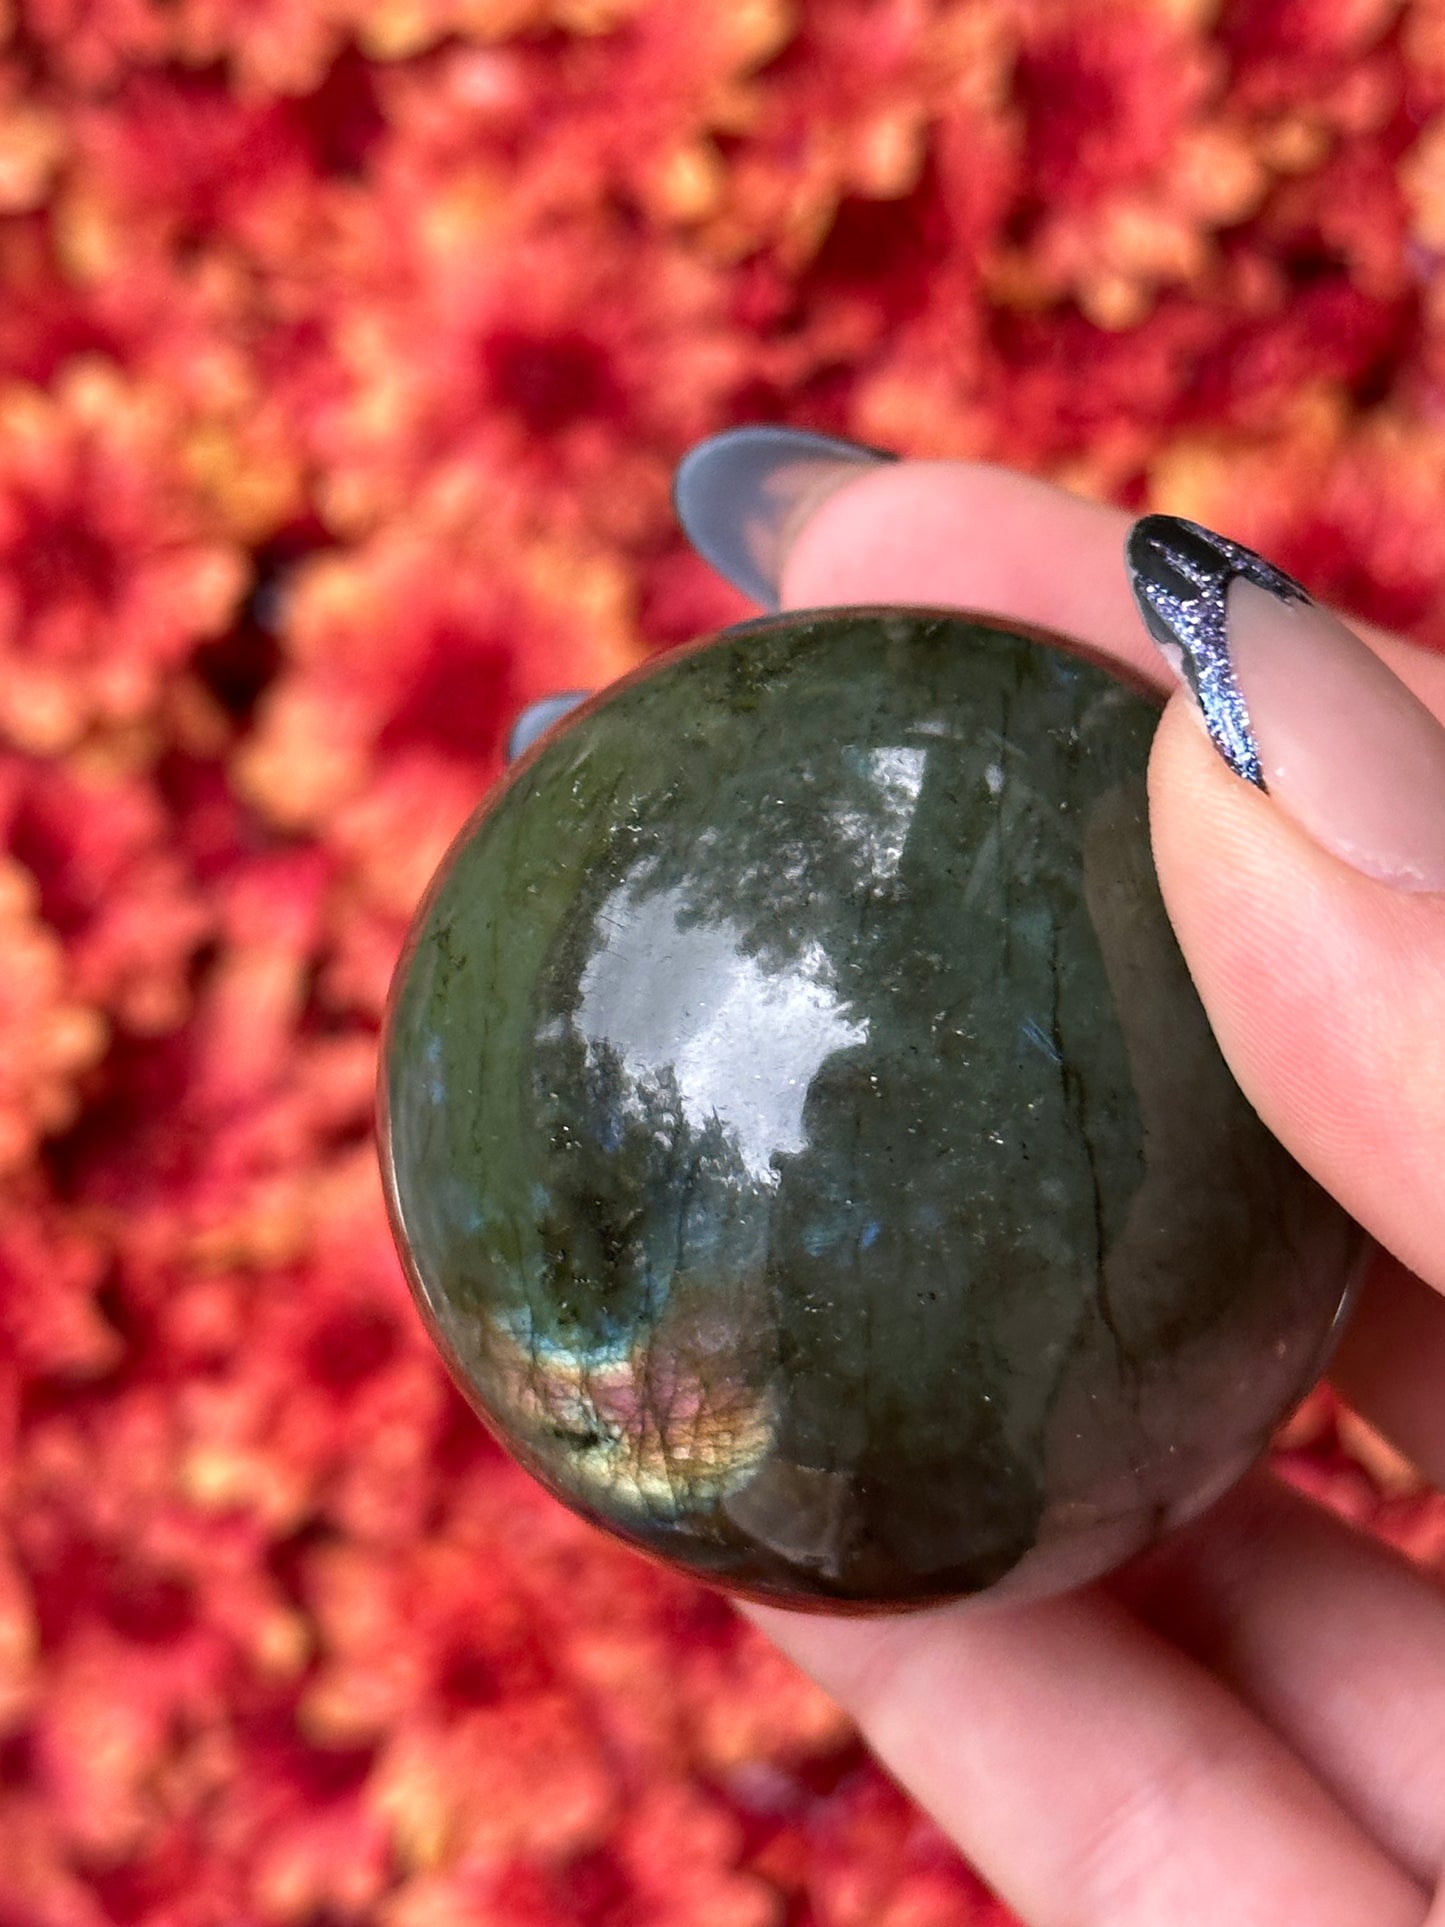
{"x": 806, "y": 1141}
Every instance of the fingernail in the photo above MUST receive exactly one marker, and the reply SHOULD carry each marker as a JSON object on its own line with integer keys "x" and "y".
{"x": 1295, "y": 703}
{"x": 742, "y": 496}
{"x": 537, "y": 718}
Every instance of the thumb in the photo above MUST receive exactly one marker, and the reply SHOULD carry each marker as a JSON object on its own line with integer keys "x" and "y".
{"x": 1300, "y": 842}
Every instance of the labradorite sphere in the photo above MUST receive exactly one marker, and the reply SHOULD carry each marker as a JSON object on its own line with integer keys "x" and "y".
{"x": 805, "y": 1140}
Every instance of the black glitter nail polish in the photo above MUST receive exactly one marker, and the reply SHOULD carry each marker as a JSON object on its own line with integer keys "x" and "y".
{"x": 1180, "y": 575}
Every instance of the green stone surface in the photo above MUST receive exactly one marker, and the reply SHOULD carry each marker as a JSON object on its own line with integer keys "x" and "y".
{"x": 805, "y": 1138}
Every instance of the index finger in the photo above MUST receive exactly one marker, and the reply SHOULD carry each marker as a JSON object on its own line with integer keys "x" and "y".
{"x": 968, "y": 535}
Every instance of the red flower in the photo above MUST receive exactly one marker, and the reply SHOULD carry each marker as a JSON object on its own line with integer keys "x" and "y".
{"x": 110, "y": 572}
{"x": 269, "y": 47}
{"x": 101, "y": 846}
{"x": 50, "y": 1273}
{"x": 409, "y": 660}
{"x": 568, "y": 365}
{"x": 91, "y": 43}
{"x": 47, "y": 1034}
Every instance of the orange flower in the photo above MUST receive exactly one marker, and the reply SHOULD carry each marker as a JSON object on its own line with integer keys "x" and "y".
{"x": 687, "y": 76}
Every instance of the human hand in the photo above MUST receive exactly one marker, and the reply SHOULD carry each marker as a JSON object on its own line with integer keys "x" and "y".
{"x": 1247, "y": 1726}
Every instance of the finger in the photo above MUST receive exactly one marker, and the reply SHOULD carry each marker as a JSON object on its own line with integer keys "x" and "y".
{"x": 1320, "y": 983}
{"x": 1390, "y": 1364}
{"x": 1095, "y": 1776}
{"x": 1337, "y": 1641}
{"x": 961, "y": 535}
{"x": 969, "y": 536}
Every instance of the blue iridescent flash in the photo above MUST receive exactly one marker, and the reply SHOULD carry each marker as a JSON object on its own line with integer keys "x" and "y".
{"x": 1180, "y": 575}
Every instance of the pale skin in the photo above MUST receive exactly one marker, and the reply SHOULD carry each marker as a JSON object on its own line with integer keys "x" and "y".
{"x": 1247, "y": 1729}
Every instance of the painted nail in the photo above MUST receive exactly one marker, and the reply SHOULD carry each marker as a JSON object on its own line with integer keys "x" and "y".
{"x": 742, "y": 496}
{"x": 537, "y": 718}
{"x": 1295, "y": 702}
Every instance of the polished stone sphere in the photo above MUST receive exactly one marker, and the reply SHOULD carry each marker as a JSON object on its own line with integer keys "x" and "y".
{"x": 806, "y": 1142}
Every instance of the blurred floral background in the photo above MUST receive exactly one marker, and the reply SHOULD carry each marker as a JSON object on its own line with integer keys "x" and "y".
{"x": 346, "y": 348}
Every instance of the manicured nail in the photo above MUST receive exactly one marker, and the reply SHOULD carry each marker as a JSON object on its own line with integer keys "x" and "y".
{"x": 1295, "y": 703}
{"x": 742, "y": 496}
{"x": 537, "y": 718}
